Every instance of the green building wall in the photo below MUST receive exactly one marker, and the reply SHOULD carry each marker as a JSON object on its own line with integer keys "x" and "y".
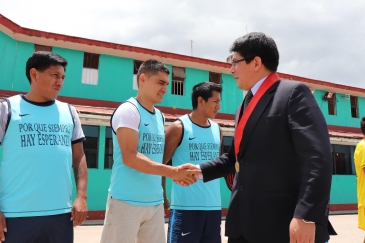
{"x": 13, "y": 56}
{"x": 114, "y": 80}
{"x": 343, "y": 189}
{"x": 343, "y": 110}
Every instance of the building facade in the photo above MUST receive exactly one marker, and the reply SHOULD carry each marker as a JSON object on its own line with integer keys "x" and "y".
{"x": 100, "y": 75}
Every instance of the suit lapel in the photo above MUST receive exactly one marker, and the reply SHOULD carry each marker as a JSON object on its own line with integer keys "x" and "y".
{"x": 255, "y": 115}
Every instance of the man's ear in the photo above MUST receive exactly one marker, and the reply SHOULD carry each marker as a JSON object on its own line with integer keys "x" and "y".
{"x": 200, "y": 100}
{"x": 142, "y": 79}
{"x": 33, "y": 73}
{"x": 257, "y": 63}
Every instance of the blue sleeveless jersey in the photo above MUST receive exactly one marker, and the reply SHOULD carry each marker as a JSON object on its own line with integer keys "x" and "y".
{"x": 37, "y": 159}
{"x": 198, "y": 145}
{"x": 130, "y": 185}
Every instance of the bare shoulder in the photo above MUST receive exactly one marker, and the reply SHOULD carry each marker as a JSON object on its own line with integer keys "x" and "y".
{"x": 176, "y": 124}
{"x": 175, "y": 128}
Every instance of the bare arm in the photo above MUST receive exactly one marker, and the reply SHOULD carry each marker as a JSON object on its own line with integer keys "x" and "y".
{"x": 79, "y": 207}
{"x": 2, "y": 227}
{"x": 128, "y": 143}
{"x": 172, "y": 138}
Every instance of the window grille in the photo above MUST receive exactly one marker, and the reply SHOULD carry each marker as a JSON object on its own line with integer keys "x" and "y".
{"x": 332, "y": 105}
{"x": 108, "y": 161}
{"x": 342, "y": 160}
{"x": 178, "y": 78}
{"x": 354, "y": 107}
{"x": 91, "y": 147}
{"x": 136, "y": 66}
{"x": 90, "y": 71}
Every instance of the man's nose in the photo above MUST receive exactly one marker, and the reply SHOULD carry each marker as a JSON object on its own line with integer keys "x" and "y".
{"x": 231, "y": 70}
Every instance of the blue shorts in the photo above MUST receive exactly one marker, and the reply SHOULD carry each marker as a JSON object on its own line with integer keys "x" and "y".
{"x": 194, "y": 226}
{"x": 40, "y": 229}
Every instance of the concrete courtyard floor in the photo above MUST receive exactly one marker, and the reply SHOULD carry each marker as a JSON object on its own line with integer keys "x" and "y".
{"x": 345, "y": 225}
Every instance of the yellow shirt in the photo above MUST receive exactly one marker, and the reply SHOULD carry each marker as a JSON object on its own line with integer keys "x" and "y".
{"x": 359, "y": 159}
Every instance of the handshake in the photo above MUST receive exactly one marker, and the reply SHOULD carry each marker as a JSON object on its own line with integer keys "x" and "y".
{"x": 186, "y": 174}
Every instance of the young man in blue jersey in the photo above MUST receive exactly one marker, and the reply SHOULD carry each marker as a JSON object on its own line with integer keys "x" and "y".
{"x": 41, "y": 140}
{"x": 195, "y": 215}
{"x": 134, "y": 211}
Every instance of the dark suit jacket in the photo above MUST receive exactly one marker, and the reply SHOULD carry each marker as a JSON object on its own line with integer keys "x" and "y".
{"x": 285, "y": 167}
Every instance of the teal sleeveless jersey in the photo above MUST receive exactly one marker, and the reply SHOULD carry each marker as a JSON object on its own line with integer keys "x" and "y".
{"x": 198, "y": 145}
{"x": 37, "y": 159}
{"x": 130, "y": 185}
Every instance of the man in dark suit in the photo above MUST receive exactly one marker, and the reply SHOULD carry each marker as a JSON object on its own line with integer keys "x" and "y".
{"x": 281, "y": 154}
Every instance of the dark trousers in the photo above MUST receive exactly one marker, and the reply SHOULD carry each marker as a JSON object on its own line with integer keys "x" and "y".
{"x": 40, "y": 229}
{"x": 239, "y": 240}
{"x": 194, "y": 226}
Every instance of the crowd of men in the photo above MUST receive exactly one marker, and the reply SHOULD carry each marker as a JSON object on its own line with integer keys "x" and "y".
{"x": 279, "y": 162}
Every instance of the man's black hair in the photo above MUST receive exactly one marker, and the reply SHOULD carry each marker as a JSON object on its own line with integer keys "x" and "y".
{"x": 257, "y": 44}
{"x": 204, "y": 90}
{"x": 151, "y": 67}
{"x": 42, "y": 60}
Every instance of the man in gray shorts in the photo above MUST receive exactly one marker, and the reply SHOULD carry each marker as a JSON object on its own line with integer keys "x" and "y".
{"x": 134, "y": 211}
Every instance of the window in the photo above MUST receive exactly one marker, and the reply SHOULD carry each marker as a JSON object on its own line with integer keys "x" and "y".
{"x": 90, "y": 69}
{"x": 136, "y": 66}
{"x": 226, "y": 144}
{"x": 108, "y": 162}
{"x": 215, "y": 77}
{"x": 332, "y": 104}
{"x": 42, "y": 48}
{"x": 178, "y": 78}
{"x": 354, "y": 107}
{"x": 342, "y": 160}
{"x": 91, "y": 145}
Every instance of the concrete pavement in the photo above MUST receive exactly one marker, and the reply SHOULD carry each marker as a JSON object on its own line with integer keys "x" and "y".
{"x": 345, "y": 225}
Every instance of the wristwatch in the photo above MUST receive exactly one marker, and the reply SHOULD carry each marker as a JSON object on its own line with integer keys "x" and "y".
{"x": 307, "y": 221}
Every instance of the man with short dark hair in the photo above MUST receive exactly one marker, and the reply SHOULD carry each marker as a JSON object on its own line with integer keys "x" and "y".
{"x": 195, "y": 215}
{"x": 359, "y": 159}
{"x": 134, "y": 210}
{"x": 42, "y": 141}
{"x": 281, "y": 154}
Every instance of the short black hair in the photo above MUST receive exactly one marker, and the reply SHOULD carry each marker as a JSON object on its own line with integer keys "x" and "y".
{"x": 362, "y": 125}
{"x": 204, "y": 90}
{"x": 151, "y": 67}
{"x": 41, "y": 60}
{"x": 257, "y": 44}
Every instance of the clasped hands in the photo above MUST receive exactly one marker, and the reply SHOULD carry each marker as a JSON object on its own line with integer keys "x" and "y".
{"x": 186, "y": 174}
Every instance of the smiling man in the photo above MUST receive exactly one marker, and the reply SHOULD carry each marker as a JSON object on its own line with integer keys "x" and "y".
{"x": 281, "y": 154}
{"x": 134, "y": 210}
{"x": 36, "y": 187}
{"x": 195, "y": 215}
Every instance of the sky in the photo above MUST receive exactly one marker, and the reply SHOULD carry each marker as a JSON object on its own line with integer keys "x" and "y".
{"x": 317, "y": 39}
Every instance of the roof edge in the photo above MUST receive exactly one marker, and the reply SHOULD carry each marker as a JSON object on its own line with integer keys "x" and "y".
{"x": 18, "y": 31}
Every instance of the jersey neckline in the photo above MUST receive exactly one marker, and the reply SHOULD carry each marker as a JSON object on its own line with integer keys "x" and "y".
{"x": 47, "y": 103}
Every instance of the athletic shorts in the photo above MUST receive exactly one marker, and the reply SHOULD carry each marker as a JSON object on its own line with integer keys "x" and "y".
{"x": 194, "y": 226}
{"x": 126, "y": 223}
{"x": 40, "y": 229}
